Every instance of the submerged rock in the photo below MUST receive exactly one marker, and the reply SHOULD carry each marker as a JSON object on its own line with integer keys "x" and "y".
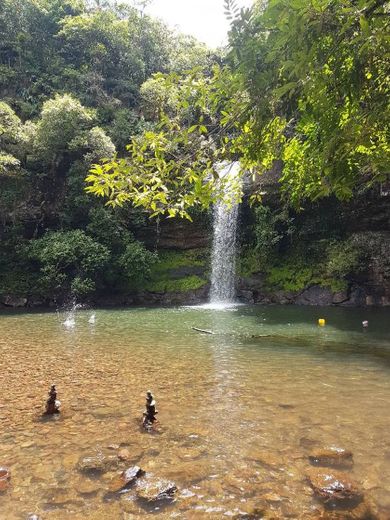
{"x": 5, "y": 478}
{"x": 335, "y": 487}
{"x": 124, "y": 454}
{"x": 59, "y": 496}
{"x": 126, "y": 479}
{"x": 256, "y": 513}
{"x": 86, "y": 486}
{"x": 97, "y": 463}
{"x": 152, "y": 489}
{"x": 334, "y": 457}
{"x": 265, "y": 458}
{"x": 130, "y": 475}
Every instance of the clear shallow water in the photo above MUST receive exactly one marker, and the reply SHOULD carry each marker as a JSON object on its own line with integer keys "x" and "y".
{"x": 239, "y": 410}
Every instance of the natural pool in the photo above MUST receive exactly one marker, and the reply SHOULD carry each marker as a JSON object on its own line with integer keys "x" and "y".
{"x": 239, "y": 410}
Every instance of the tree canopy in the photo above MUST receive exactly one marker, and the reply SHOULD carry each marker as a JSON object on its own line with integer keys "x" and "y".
{"x": 303, "y": 83}
{"x": 71, "y": 93}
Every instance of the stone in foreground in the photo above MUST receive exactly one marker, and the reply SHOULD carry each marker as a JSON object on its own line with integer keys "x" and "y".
{"x": 335, "y": 487}
{"x": 5, "y": 479}
{"x": 126, "y": 479}
{"x": 152, "y": 489}
{"x": 97, "y": 464}
{"x": 333, "y": 457}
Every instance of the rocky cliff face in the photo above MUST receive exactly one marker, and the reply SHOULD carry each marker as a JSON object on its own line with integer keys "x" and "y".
{"x": 367, "y": 219}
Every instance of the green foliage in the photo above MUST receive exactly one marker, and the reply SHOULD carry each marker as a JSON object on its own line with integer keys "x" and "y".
{"x": 101, "y": 55}
{"x": 187, "y": 53}
{"x": 158, "y": 98}
{"x": 62, "y": 121}
{"x": 329, "y": 263}
{"x": 374, "y": 251}
{"x": 295, "y": 273}
{"x": 68, "y": 259}
{"x": 291, "y": 276}
{"x": 188, "y": 283}
{"x": 307, "y": 254}
{"x": 174, "y": 167}
{"x": 175, "y": 259}
{"x": 249, "y": 263}
{"x": 81, "y": 287}
{"x": 172, "y": 272}
{"x": 11, "y": 140}
{"x": 71, "y": 73}
{"x": 136, "y": 263}
{"x": 106, "y": 228}
{"x": 305, "y": 84}
{"x": 124, "y": 124}
{"x": 318, "y": 73}
{"x": 266, "y": 234}
{"x": 345, "y": 258}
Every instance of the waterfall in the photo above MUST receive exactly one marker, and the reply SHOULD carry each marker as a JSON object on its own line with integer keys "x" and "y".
{"x": 223, "y": 258}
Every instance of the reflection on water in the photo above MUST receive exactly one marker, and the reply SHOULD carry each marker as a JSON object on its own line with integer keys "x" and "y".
{"x": 239, "y": 410}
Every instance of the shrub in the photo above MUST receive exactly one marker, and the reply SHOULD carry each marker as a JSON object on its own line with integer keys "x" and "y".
{"x": 136, "y": 262}
{"x": 68, "y": 260}
{"x": 344, "y": 258}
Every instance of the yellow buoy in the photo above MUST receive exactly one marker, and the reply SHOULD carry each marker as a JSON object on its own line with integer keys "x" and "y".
{"x": 321, "y": 322}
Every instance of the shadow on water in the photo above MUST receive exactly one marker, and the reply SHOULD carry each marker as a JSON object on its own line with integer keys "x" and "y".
{"x": 342, "y": 318}
{"x": 324, "y": 349}
{"x": 281, "y": 328}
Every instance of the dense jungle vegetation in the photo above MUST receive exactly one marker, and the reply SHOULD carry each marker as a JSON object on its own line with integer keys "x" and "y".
{"x": 100, "y": 91}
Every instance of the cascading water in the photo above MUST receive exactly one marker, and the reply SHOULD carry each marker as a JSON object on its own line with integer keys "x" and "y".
{"x": 223, "y": 259}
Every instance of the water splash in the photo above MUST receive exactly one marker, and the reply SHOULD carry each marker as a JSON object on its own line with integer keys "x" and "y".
{"x": 70, "y": 319}
{"x": 223, "y": 258}
{"x": 92, "y": 319}
{"x": 70, "y": 322}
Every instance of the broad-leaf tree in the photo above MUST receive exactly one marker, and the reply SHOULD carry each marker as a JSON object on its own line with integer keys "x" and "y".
{"x": 305, "y": 83}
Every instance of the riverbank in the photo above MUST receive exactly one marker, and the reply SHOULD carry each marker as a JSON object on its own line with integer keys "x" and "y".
{"x": 250, "y": 291}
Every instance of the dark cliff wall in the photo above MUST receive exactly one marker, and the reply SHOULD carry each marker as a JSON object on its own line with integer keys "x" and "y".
{"x": 182, "y": 273}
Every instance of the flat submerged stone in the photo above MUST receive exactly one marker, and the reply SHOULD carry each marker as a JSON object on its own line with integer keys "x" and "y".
{"x": 333, "y": 457}
{"x": 153, "y": 489}
{"x": 97, "y": 464}
{"x": 126, "y": 479}
{"x": 335, "y": 487}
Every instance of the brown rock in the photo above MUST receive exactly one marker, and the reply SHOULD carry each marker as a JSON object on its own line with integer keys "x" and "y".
{"x": 265, "y": 458}
{"x": 5, "y": 479}
{"x": 256, "y": 513}
{"x": 59, "y": 496}
{"x": 151, "y": 489}
{"x": 126, "y": 479}
{"x": 334, "y": 487}
{"x": 124, "y": 454}
{"x": 273, "y": 498}
{"x": 333, "y": 457}
{"x": 86, "y": 486}
{"x": 97, "y": 464}
{"x": 190, "y": 472}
